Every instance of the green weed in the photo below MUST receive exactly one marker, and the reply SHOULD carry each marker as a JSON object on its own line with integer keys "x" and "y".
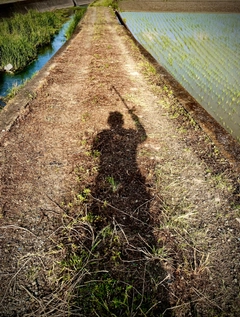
{"x": 148, "y": 68}
{"x": 96, "y": 153}
{"x": 221, "y": 182}
{"x": 76, "y": 18}
{"x": 105, "y": 3}
{"x": 114, "y": 185}
{"x": 13, "y": 91}
{"x": 82, "y": 197}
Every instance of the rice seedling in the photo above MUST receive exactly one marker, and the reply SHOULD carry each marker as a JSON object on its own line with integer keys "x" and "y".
{"x": 200, "y": 50}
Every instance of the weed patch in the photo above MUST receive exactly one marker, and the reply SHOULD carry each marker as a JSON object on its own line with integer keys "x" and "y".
{"x": 22, "y": 35}
{"x": 76, "y": 18}
{"x": 105, "y": 3}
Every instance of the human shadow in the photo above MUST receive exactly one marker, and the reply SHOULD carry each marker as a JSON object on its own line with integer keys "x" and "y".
{"x": 120, "y": 207}
{"x": 119, "y": 185}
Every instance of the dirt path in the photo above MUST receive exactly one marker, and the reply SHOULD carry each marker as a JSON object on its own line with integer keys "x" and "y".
{"x": 51, "y": 154}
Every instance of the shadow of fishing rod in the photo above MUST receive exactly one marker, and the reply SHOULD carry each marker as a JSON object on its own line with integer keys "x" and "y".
{"x": 134, "y": 117}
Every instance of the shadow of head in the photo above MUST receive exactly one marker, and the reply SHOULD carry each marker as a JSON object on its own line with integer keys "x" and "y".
{"x": 115, "y": 120}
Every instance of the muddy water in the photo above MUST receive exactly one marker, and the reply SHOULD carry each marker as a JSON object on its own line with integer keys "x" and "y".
{"x": 8, "y": 81}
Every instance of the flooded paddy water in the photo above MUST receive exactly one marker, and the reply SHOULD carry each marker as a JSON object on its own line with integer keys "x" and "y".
{"x": 202, "y": 52}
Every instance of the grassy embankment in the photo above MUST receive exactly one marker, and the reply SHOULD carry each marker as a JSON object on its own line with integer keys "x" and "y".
{"x": 21, "y": 36}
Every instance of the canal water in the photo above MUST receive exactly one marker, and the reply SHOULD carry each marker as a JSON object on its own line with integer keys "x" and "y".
{"x": 8, "y": 81}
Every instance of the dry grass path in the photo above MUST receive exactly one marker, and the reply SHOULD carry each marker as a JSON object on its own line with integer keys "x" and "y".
{"x": 46, "y": 158}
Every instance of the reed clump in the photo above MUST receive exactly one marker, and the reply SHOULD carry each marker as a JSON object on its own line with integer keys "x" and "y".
{"x": 79, "y": 12}
{"x": 21, "y": 36}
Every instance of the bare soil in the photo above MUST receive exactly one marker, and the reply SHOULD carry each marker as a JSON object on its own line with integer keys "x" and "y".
{"x": 102, "y": 140}
{"x": 180, "y": 6}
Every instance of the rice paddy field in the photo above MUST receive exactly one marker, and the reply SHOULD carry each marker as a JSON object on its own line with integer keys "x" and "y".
{"x": 202, "y": 52}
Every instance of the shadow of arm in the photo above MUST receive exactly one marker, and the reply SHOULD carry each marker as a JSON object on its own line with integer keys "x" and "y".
{"x": 140, "y": 128}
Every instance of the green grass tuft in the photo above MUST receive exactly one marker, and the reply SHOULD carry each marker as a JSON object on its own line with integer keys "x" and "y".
{"x": 77, "y": 17}
{"x": 105, "y": 3}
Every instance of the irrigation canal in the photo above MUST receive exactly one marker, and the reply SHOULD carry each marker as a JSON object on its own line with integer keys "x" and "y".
{"x": 7, "y": 8}
{"x": 8, "y": 80}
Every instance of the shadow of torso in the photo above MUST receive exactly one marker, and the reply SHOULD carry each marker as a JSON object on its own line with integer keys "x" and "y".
{"x": 119, "y": 183}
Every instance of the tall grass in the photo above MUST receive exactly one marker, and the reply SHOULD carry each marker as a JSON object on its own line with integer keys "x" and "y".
{"x": 105, "y": 3}
{"x": 22, "y": 35}
{"x": 77, "y": 17}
